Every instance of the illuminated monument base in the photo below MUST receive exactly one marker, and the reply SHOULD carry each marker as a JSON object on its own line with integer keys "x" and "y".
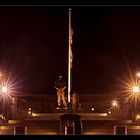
{"x": 70, "y": 124}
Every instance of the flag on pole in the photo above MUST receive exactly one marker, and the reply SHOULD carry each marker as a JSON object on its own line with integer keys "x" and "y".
{"x": 71, "y": 54}
{"x": 70, "y": 57}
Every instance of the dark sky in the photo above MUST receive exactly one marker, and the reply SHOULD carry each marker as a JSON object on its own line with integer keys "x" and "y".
{"x": 34, "y": 46}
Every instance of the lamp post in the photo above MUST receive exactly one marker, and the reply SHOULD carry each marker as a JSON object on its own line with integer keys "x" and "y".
{"x": 135, "y": 92}
{"x": 4, "y": 93}
{"x": 9, "y": 100}
{"x": 115, "y": 107}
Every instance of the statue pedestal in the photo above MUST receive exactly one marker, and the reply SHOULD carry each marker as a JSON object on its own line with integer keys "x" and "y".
{"x": 70, "y": 124}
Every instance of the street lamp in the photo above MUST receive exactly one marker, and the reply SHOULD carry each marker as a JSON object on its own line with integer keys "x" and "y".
{"x": 135, "y": 94}
{"x": 4, "y": 93}
{"x": 8, "y": 87}
{"x": 115, "y": 107}
{"x": 135, "y": 89}
{"x": 114, "y": 103}
{"x": 4, "y": 89}
{"x": 132, "y": 89}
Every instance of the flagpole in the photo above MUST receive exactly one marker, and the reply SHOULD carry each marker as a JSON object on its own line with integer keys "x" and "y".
{"x": 69, "y": 51}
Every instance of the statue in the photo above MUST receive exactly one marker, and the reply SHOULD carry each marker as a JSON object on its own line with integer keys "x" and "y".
{"x": 60, "y": 86}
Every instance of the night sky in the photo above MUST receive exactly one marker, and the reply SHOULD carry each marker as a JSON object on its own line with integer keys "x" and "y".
{"x": 34, "y": 46}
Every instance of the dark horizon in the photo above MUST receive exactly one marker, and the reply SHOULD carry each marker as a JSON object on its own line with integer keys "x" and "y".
{"x": 34, "y": 45}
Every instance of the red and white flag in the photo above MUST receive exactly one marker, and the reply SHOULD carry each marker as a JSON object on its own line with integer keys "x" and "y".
{"x": 71, "y": 54}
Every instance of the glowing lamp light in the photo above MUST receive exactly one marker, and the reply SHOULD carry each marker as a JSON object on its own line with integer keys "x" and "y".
{"x": 138, "y": 74}
{"x": 4, "y": 89}
{"x": 29, "y": 112}
{"x": 92, "y": 109}
{"x": 135, "y": 89}
{"x": 137, "y": 117}
{"x": 109, "y": 112}
{"x": 114, "y": 103}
